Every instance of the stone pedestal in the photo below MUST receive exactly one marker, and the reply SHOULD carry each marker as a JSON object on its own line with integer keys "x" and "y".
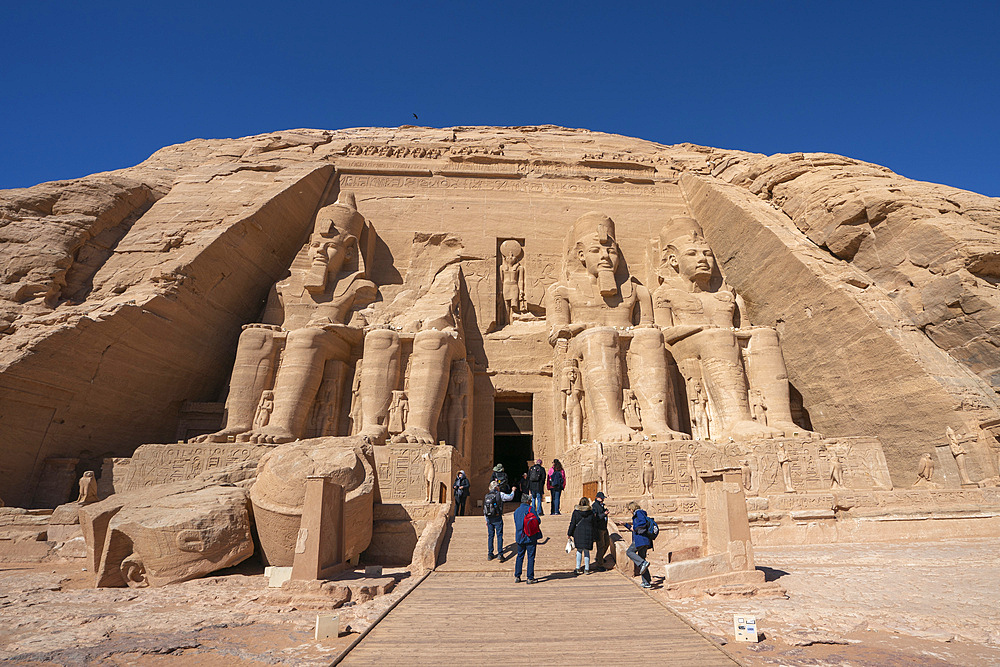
{"x": 319, "y": 549}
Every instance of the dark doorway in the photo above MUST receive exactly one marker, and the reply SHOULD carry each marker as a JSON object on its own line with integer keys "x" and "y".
{"x": 512, "y": 436}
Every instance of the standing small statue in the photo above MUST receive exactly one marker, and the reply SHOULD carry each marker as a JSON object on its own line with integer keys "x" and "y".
{"x": 758, "y": 410}
{"x": 925, "y": 471}
{"x": 88, "y": 489}
{"x": 692, "y": 474}
{"x": 699, "y": 411}
{"x": 631, "y": 406}
{"x": 264, "y": 409}
{"x": 602, "y": 469}
{"x": 786, "y": 468}
{"x": 398, "y": 410}
{"x": 959, "y": 453}
{"x": 356, "y": 400}
{"x": 747, "y": 474}
{"x": 572, "y": 404}
{"x": 512, "y": 279}
{"x": 836, "y": 473}
{"x": 429, "y": 475}
{"x": 648, "y": 475}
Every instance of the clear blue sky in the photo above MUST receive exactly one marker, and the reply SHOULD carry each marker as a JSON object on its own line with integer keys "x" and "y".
{"x": 92, "y": 86}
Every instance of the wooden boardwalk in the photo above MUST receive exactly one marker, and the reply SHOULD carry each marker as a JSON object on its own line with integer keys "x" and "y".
{"x": 470, "y": 611}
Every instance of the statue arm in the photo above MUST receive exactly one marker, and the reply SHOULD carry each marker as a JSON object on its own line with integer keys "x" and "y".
{"x": 739, "y": 321}
{"x": 645, "y": 304}
{"x": 558, "y": 315}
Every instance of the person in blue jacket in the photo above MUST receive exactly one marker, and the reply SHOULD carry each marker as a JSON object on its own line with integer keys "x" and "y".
{"x": 525, "y": 545}
{"x": 640, "y": 543}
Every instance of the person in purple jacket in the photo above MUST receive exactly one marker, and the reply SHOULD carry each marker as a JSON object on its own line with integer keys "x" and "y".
{"x": 556, "y": 483}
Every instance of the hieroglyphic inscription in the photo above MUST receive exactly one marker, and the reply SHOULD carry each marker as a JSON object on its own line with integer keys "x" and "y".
{"x": 362, "y": 181}
{"x": 161, "y": 464}
{"x": 401, "y": 471}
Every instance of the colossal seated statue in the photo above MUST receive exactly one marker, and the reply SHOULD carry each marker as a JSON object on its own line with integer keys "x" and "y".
{"x": 713, "y": 345}
{"x": 589, "y": 312}
{"x": 313, "y": 313}
{"x": 290, "y": 375}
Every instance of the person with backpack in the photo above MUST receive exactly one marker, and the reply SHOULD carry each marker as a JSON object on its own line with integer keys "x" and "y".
{"x": 501, "y": 478}
{"x": 601, "y": 537}
{"x": 581, "y": 529}
{"x": 493, "y": 511}
{"x": 528, "y": 531}
{"x": 643, "y": 534}
{"x": 536, "y": 486}
{"x": 556, "y": 483}
{"x": 461, "y": 488}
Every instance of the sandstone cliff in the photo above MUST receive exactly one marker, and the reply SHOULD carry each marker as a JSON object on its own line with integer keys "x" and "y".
{"x": 122, "y": 293}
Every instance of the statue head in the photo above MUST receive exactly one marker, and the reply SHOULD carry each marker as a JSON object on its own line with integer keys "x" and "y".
{"x": 594, "y": 246}
{"x": 685, "y": 253}
{"x": 89, "y": 473}
{"x": 511, "y": 251}
{"x": 335, "y": 235}
{"x": 570, "y": 374}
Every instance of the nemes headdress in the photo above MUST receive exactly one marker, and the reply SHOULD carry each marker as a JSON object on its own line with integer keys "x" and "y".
{"x": 340, "y": 218}
{"x": 680, "y": 227}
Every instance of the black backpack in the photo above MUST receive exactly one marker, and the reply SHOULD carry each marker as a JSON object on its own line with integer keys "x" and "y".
{"x": 503, "y": 482}
{"x": 536, "y": 474}
{"x": 493, "y": 506}
{"x": 652, "y": 528}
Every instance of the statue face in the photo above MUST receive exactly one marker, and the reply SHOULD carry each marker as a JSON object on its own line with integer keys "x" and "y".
{"x": 693, "y": 259}
{"x": 571, "y": 374}
{"x": 334, "y": 252}
{"x": 597, "y": 256}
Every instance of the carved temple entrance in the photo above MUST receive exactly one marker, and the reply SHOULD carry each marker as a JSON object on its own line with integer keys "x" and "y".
{"x": 512, "y": 434}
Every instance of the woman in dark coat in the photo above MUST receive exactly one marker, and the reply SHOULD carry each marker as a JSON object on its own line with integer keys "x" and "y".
{"x": 581, "y": 529}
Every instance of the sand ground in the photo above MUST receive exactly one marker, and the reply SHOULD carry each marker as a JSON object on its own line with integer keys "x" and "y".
{"x": 932, "y": 603}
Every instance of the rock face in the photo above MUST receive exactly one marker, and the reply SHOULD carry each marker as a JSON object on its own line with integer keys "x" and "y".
{"x": 167, "y": 533}
{"x": 474, "y": 286}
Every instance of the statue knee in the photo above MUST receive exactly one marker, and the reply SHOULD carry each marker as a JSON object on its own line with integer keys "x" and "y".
{"x": 304, "y": 339}
{"x": 599, "y": 337}
{"x": 430, "y": 341}
{"x": 381, "y": 339}
{"x": 255, "y": 338}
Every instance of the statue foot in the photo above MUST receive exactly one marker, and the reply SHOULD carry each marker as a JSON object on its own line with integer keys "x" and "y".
{"x": 416, "y": 436}
{"x": 268, "y": 436}
{"x": 750, "y": 430}
{"x": 616, "y": 433}
{"x": 664, "y": 432}
{"x": 792, "y": 430}
{"x": 220, "y": 436}
{"x": 376, "y": 434}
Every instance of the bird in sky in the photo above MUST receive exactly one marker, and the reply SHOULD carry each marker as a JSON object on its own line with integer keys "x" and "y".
{"x": 415, "y": 117}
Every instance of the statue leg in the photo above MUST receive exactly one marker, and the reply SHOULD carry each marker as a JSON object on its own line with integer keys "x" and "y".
{"x": 253, "y": 372}
{"x": 725, "y": 382}
{"x": 601, "y": 370}
{"x": 430, "y": 365}
{"x": 379, "y": 377}
{"x": 299, "y": 377}
{"x": 650, "y": 378}
{"x": 766, "y": 371}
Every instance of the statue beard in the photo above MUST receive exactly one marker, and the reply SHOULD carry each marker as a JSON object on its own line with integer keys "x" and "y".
{"x": 606, "y": 282}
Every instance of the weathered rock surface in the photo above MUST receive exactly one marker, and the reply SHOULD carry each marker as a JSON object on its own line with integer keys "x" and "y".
{"x": 167, "y": 533}
{"x": 278, "y": 494}
{"x": 123, "y": 293}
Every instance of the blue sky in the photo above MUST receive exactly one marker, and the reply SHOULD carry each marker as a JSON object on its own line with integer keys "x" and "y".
{"x": 93, "y": 86}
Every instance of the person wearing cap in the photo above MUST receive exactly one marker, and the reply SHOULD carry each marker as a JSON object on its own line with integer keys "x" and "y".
{"x": 461, "y": 487}
{"x": 493, "y": 511}
{"x": 536, "y": 486}
{"x": 602, "y": 538}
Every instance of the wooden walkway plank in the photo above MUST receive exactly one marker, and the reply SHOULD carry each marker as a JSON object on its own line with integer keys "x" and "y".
{"x": 470, "y": 611}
